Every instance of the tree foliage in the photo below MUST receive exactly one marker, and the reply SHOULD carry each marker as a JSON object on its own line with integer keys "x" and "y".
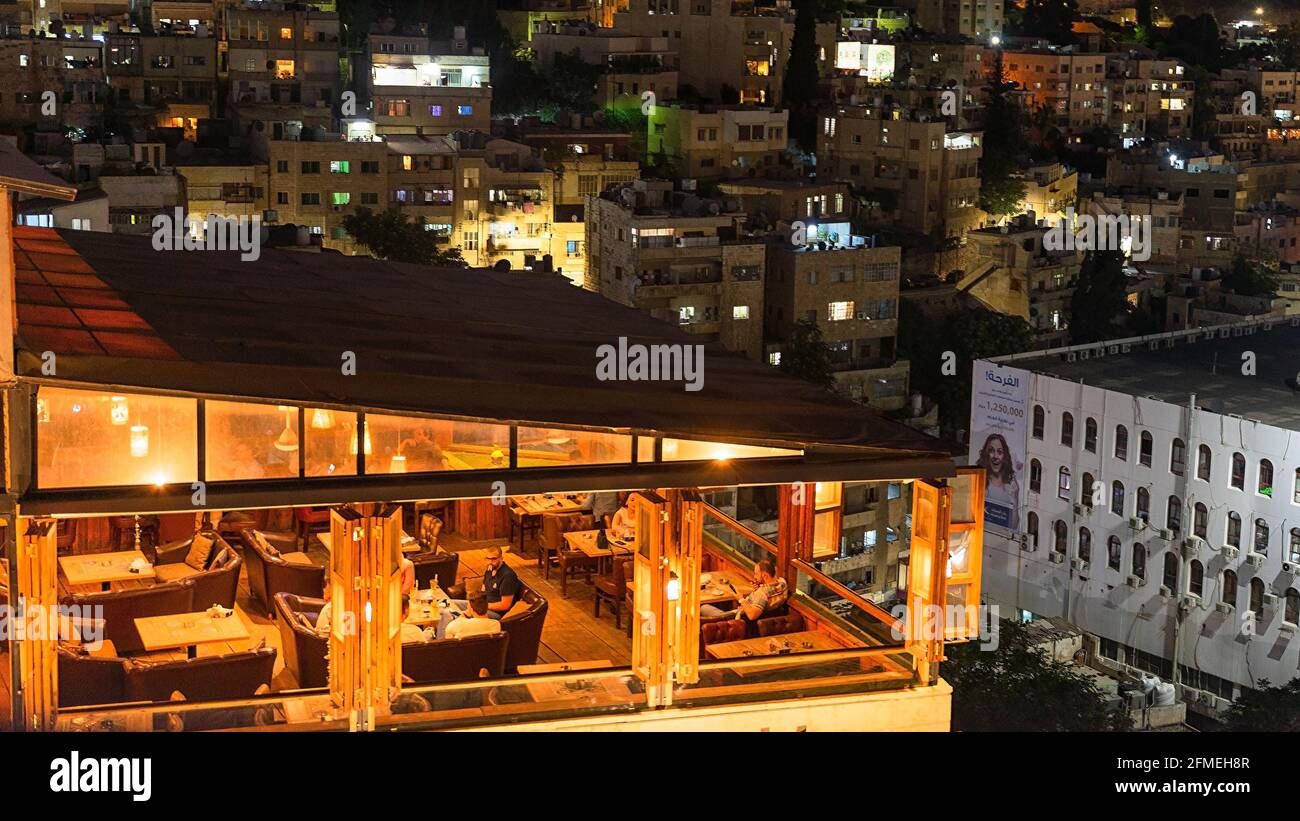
{"x": 1194, "y": 40}
{"x": 806, "y": 356}
{"x": 1019, "y": 688}
{"x": 1248, "y": 278}
{"x": 1267, "y": 709}
{"x": 1100, "y": 301}
{"x": 391, "y": 235}
{"x": 1001, "y": 187}
{"x": 799, "y": 89}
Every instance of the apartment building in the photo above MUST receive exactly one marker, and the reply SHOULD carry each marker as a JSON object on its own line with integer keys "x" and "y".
{"x": 679, "y": 258}
{"x": 978, "y": 19}
{"x": 630, "y": 65}
{"x": 942, "y": 63}
{"x": 1164, "y": 208}
{"x": 227, "y": 190}
{"x": 1270, "y": 231}
{"x": 850, "y": 291}
{"x": 774, "y": 203}
{"x": 577, "y": 177}
{"x": 728, "y": 52}
{"x": 1148, "y": 98}
{"x": 283, "y": 54}
{"x": 1274, "y": 89}
{"x": 1050, "y": 188}
{"x": 70, "y": 72}
{"x": 167, "y": 80}
{"x": 134, "y": 199}
{"x": 716, "y": 141}
{"x": 931, "y": 170}
{"x": 1015, "y": 274}
{"x": 1183, "y": 562}
{"x": 419, "y": 86}
{"x": 1070, "y": 86}
{"x": 318, "y": 184}
{"x": 88, "y": 212}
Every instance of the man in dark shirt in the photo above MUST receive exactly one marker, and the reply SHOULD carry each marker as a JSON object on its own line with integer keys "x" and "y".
{"x": 500, "y": 584}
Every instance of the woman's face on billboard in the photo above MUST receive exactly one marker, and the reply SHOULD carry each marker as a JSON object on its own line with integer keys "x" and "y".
{"x": 995, "y": 455}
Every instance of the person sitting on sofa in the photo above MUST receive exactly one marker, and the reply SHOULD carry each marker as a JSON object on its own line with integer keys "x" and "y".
{"x": 770, "y": 592}
{"x": 501, "y": 585}
{"x": 474, "y": 621}
{"x": 323, "y": 617}
{"x": 412, "y": 632}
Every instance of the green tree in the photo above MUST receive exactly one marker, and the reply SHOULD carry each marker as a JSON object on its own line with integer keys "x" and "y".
{"x": 1248, "y": 278}
{"x": 799, "y": 89}
{"x": 942, "y": 352}
{"x": 391, "y": 235}
{"x": 1019, "y": 688}
{"x": 1001, "y": 187}
{"x": 1268, "y": 709}
{"x": 806, "y": 356}
{"x": 572, "y": 83}
{"x": 1144, "y": 14}
{"x": 1100, "y": 300}
{"x": 1285, "y": 44}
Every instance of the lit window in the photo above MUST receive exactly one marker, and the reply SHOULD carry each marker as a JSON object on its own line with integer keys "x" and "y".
{"x": 740, "y": 312}
{"x": 408, "y": 162}
{"x": 340, "y": 167}
{"x": 839, "y": 311}
{"x": 286, "y": 33}
{"x": 340, "y": 198}
{"x": 435, "y": 111}
{"x": 465, "y": 110}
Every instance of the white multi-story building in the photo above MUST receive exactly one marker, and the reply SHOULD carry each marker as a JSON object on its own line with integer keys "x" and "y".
{"x": 1157, "y": 488}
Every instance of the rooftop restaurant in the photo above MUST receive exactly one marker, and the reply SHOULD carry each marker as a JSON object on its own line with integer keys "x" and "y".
{"x": 317, "y": 492}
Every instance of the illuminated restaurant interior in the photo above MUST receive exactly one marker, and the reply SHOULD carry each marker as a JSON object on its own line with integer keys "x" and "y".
{"x": 195, "y": 485}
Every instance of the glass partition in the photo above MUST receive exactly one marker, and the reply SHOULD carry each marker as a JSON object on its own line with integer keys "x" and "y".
{"x": 88, "y": 438}
{"x": 557, "y": 447}
{"x": 846, "y": 608}
{"x": 247, "y": 441}
{"x": 407, "y": 444}
{"x": 331, "y": 438}
{"x": 732, "y": 540}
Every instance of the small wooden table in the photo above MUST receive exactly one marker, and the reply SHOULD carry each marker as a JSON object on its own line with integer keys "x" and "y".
{"x": 762, "y": 646}
{"x": 719, "y": 592}
{"x": 602, "y": 690}
{"x": 189, "y": 630}
{"x": 563, "y": 666}
{"x": 549, "y": 503}
{"x": 103, "y": 568}
{"x": 585, "y": 541}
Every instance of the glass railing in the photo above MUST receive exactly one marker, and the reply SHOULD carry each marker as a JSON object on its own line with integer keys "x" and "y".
{"x": 732, "y": 540}
{"x": 795, "y": 672}
{"x": 845, "y": 608}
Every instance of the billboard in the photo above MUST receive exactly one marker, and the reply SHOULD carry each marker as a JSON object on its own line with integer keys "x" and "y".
{"x": 875, "y": 61}
{"x": 998, "y": 419}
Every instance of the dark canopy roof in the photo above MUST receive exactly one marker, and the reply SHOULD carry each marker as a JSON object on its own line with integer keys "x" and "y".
{"x": 475, "y": 343}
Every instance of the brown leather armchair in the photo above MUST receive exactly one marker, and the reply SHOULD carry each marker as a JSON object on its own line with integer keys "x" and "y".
{"x": 431, "y": 565}
{"x": 455, "y": 659}
{"x": 304, "y": 649}
{"x": 123, "y": 607}
{"x": 233, "y": 675}
{"x": 552, "y": 543}
{"x": 270, "y": 574}
{"x": 215, "y": 584}
{"x": 86, "y": 679}
{"x": 612, "y": 587}
{"x": 525, "y": 629}
{"x": 717, "y": 632}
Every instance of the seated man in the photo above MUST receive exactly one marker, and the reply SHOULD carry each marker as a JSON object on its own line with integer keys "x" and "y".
{"x": 412, "y": 632}
{"x": 474, "y": 621}
{"x": 501, "y": 585}
{"x": 770, "y": 592}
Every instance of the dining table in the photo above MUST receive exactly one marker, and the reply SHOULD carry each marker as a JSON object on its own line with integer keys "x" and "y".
{"x": 805, "y": 641}
{"x": 105, "y": 568}
{"x": 189, "y": 630}
{"x": 586, "y": 541}
{"x": 527, "y": 508}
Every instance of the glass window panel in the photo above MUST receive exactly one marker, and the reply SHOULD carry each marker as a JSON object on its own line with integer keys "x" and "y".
{"x": 645, "y": 449}
{"x": 686, "y": 450}
{"x": 406, "y": 444}
{"x": 97, "y": 438}
{"x": 553, "y": 447}
{"x": 331, "y": 438}
{"x": 247, "y": 441}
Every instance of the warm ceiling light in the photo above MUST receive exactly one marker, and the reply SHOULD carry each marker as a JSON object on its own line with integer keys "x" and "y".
{"x": 352, "y": 448}
{"x": 118, "y": 412}
{"x": 139, "y": 441}
{"x": 287, "y": 440}
{"x": 398, "y": 464}
{"x": 322, "y": 419}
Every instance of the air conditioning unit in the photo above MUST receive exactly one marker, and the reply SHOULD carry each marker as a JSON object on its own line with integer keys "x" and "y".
{"x": 1025, "y": 543}
{"x": 337, "y": 208}
{"x": 861, "y": 315}
{"x": 1249, "y": 615}
{"x": 1079, "y": 565}
{"x": 1288, "y": 567}
{"x": 1223, "y": 607}
{"x": 1137, "y": 523}
{"x": 1287, "y": 627}
{"x": 1186, "y": 603}
{"x": 1270, "y": 601}
{"x": 1165, "y": 592}
{"x": 1221, "y": 704}
{"x": 1191, "y": 546}
{"x": 1055, "y": 557}
{"x": 1255, "y": 559}
{"x": 1135, "y": 581}
{"x": 1166, "y": 534}
{"x": 1228, "y": 551}
{"x": 1079, "y": 510}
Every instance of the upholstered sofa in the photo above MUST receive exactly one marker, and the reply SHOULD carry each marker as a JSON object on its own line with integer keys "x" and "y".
{"x": 207, "y": 678}
{"x": 269, "y": 573}
{"x": 304, "y": 649}
{"x": 215, "y": 582}
{"x": 123, "y": 607}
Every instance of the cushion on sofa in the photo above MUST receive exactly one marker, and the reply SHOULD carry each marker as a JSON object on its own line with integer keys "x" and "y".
{"x": 200, "y": 552}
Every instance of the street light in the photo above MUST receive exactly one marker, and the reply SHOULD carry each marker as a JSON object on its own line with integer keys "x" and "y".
{"x": 995, "y": 41}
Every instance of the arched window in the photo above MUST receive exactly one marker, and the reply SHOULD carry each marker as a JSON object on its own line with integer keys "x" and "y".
{"x": 1112, "y": 552}
{"x": 1200, "y": 520}
{"x": 1291, "y": 612}
{"x": 1293, "y": 551}
{"x": 1238, "y": 478}
{"x": 1040, "y": 420}
{"x": 1203, "y": 460}
{"x": 1035, "y": 476}
{"x": 1121, "y": 443}
{"x": 1261, "y": 536}
{"x": 1264, "y": 486}
{"x": 1257, "y": 597}
{"x": 1230, "y": 588}
{"x": 1085, "y": 490}
{"x": 1143, "y": 504}
{"x": 1090, "y": 435}
{"x": 1295, "y": 494}
{"x": 1117, "y": 498}
{"x": 1170, "y": 578}
{"x": 1061, "y": 536}
{"x": 1234, "y": 529}
{"x": 1177, "y": 457}
{"x": 1139, "y": 560}
{"x": 1031, "y": 527}
{"x": 1144, "y": 449}
{"x": 1196, "y": 578}
{"x": 1174, "y": 514}
{"x": 1063, "y": 483}
{"x": 1085, "y": 544}
{"x": 1067, "y": 429}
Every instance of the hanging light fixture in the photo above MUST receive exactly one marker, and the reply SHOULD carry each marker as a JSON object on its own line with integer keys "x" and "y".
{"x": 287, "y": 440}
{"x": 398, "y": 464}
{"x": 322, "y": 419}
{"x": 498, "y": 457}
{"x": 139, "y": 441}
{"x": 118, "y": 411}
{"x": 352, "y": 448}
{"x": 42, "y": 410}
{"x": 557, "y": 438}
